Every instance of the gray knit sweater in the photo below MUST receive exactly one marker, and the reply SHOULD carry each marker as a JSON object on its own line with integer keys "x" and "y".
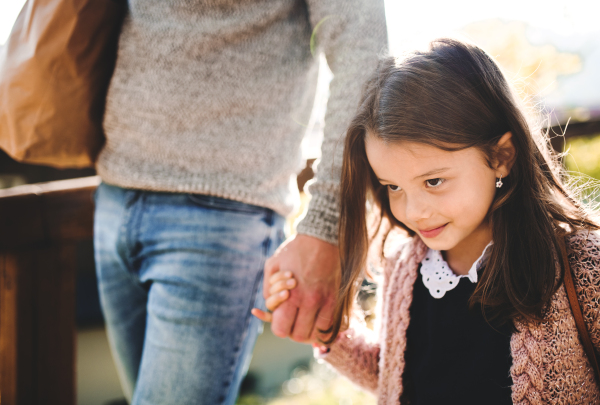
{"x": 212, "y": 97}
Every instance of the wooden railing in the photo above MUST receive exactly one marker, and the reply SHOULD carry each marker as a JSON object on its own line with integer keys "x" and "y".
{"x": 40, "y": 226}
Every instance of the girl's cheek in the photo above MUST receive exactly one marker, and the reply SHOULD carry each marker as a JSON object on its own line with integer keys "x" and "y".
{"x": 463, "y": 207}
{"x": 398, "y": 209}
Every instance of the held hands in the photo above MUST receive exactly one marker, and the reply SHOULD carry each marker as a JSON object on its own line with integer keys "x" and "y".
{"x": 307, "y": 308}
{"x": 281, "y": 283}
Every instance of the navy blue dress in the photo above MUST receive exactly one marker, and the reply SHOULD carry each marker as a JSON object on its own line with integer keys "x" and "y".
{"x": 453, "y": 356}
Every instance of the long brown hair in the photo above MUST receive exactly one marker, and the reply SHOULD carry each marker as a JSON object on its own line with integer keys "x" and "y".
{"x": 453, "y": 96}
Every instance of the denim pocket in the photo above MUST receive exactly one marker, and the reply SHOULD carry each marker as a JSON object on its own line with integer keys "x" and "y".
{"x": 224, "y": 204}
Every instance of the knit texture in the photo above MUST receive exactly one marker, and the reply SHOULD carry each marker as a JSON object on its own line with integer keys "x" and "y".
{"x": 213, "y": 97}
{"x": 549, "y": 362}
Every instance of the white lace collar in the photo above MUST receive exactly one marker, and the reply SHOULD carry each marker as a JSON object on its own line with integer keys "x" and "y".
{"x": 439, "y": 278}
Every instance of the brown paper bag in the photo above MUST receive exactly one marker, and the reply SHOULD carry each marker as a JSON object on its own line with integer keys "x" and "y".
{"x": 54, "y": 73}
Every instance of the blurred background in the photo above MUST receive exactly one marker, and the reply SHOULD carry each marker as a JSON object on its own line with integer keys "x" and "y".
{"x": 550, "y": 50}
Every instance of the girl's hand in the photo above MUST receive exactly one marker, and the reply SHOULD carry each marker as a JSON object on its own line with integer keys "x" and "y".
{"x": 280, "y": 284}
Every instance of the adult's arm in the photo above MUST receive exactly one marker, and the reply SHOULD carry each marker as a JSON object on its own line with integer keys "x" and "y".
{"x": 352, "y": 34}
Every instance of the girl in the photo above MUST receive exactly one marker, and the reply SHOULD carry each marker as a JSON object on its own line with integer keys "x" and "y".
{"x": 472, "y": 308}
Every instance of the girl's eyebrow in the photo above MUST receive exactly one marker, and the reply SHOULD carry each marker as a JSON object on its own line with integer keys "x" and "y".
{"x": 432, "y": 172}
{"x": 429, "y": 173}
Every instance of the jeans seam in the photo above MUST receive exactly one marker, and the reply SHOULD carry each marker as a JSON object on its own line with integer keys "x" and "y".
{"x": 266, "y": 244}
{"x": 126, "y": 239}
{"x": 133, "y": 236}
{"x": 123, "y": 237}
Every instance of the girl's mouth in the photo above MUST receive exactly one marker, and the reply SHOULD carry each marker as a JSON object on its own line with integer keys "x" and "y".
{"x": 432, "y": 233}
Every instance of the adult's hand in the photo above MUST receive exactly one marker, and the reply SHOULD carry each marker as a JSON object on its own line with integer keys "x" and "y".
{"x": 316, "y": 268}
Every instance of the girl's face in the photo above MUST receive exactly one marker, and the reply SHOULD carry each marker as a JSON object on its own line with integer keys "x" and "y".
{"x": 443, "y": 196}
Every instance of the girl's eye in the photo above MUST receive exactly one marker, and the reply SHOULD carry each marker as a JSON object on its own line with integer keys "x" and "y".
{"x": 434, "y": 182}
{"x": 391, "y": 187}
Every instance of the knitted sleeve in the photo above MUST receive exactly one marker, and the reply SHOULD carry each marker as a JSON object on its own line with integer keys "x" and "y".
{"x": 584, "y": 257}
{"x": 356, "y": 356}
{"x": 352, "y": 34}
{"x": 356, "y": 352}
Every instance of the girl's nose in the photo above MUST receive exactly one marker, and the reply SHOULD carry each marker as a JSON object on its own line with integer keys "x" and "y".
{"x": 417, "y": 210}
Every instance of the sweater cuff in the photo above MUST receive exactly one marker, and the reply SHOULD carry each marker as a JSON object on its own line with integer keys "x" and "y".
{"x": 322, "y": 217}
{"x": 354, "y": 358}
{"x": 341, "y": 351}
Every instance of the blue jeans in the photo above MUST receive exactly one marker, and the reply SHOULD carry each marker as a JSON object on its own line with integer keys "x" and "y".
{"x": 178, "y": 275}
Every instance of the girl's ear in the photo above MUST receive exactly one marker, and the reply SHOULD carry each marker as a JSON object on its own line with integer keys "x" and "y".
{"x": 504, "y": 156}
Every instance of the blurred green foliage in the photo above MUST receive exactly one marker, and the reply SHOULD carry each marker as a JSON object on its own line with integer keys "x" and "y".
{"x": 583, "y": 164}
{"x": 251, "y": 399}
{"x": 584, "y": 156}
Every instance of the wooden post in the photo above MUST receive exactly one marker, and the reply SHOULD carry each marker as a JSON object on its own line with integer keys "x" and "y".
{"x": 39, "y": 226}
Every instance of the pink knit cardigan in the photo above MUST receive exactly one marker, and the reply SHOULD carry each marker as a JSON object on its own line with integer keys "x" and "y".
{"x": 549, "y": 363}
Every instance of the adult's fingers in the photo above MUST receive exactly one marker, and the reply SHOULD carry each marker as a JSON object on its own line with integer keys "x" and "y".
{"x": 323, "y": 321}
{"x": 305, "y": 322}
{"x": 283, "y": 319}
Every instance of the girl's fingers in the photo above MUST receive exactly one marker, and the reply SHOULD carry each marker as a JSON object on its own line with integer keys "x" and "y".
{"x": 280, "y": 284}
{"x": 262, "y": 315}
{"x": 275, "y": 300}
{"x": 279, "y": 276}
{"x": 285, "y": 284}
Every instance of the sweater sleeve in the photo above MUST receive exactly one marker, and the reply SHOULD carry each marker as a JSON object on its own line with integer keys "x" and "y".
{"x": 584, "y": 257}
{"x": 356, "y": 352}
{"x": 352, "y": 34}
{"x": 355, "y": 355}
